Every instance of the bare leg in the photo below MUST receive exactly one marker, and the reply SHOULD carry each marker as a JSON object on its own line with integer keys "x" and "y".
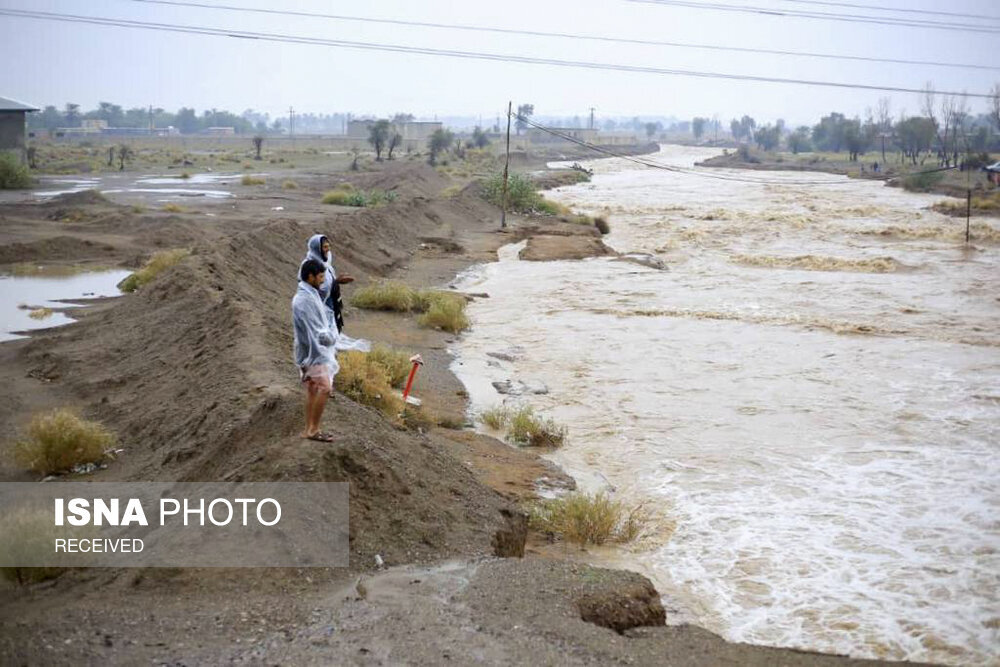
{"x": 309, "y": 430}
{"x": 319, "y": 402}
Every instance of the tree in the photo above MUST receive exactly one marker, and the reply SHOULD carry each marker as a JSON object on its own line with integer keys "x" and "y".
{"x": 994, "y": 111}
{"x": 402, "y": 118}
{"x": 698, "y": 127}
{"x": 378, "y": 135}
{"x": 395, "y": 140}
{"x": 479, "y": 138}
{"x": 915, "y": 134}
{"x": 187, "y": 121}
{"x": 524, "y": 111}
{"x": 736, "y": 129}
{"x": 651, "y": 129}
{"x": 798, "y": 141}
{"x": 50, "y": 118}
{"x": 854, "y": 139}
{"x": 767, "y": 137}
{"x": 883, "y": 119}
{"x": 748, "y": 124}
{"x": 124, "y": 154}
{"x": 72, "y": 115}
{"x": 258, "y": 143}
{"x": 828, "y": 135}
{"x": 439, "y": 142}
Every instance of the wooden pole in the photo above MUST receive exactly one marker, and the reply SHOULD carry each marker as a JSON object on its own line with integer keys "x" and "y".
{"x": 506, "y": 171}
{"x": 968, "y": 212}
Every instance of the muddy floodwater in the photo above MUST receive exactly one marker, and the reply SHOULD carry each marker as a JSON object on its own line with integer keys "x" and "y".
{"x": 808, "y": 398}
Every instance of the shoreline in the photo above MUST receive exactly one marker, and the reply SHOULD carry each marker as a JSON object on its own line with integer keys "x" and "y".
{"x": 245, "y": 437}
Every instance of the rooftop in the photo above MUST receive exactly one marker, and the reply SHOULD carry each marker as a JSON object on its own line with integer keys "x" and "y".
{"x": 7, "y": 104}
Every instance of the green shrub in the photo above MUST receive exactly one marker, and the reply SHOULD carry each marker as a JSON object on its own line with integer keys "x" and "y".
{"x": 13, "y": 174}
{"x": 496, "y": 417}
{"x": 527, "y": 428}
{"x": 359, "y": 198}
{"x": 58, "y": 440}
{"x": 158, "y": 263}
{"x": 521, "y": 194}
{"x": 589, "y": 519}
{"x": 922, "y": 182}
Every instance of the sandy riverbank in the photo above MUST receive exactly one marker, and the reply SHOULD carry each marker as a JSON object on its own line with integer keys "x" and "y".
{"x": 193, "y": 374}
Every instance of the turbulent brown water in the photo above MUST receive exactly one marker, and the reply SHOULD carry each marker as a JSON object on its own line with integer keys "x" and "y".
{"x": 809, "y": 397}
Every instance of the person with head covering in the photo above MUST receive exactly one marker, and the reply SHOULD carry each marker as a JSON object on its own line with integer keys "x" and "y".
{"x": 320, "y": 249}
{"x": 313, "y": 347}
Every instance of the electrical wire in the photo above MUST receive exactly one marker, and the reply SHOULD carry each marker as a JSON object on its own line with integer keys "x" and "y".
{"x": 562, "y": 35}
{"x": 827, "y": 16}
{"x": 474, "y": 55}
{"x": 829, "y": 3}
{"x": 646, "y": 162}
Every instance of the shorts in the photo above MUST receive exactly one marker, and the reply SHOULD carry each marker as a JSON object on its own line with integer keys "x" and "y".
{"x": 317, "y": 378}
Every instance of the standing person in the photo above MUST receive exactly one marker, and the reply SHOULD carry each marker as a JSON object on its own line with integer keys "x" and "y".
{"x": 319, "y": 249}
{"x": 313, "y": 346}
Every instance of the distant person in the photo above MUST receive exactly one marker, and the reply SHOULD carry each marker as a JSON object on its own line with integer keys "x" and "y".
{"x": 318, "y": 248}
{"x": 875, "y": 167}
{"x": 314, "y": 346}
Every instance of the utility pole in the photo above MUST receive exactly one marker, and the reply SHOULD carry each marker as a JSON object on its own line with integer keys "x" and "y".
{"x": 506, "y": 171}
{"x": 591, "y": 118}
{"x": 291, "y": 122}
{"x": 150, "y": 119}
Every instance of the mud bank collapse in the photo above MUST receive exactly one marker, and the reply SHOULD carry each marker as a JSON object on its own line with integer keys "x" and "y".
{"x": 814, "y": 431}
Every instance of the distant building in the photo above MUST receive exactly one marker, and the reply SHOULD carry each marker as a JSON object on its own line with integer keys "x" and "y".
{"x": 537, "y": 136}
{"x": 94, "y": 124}
{"x": 14, "y": 126}
{"x": 227, "y": 131}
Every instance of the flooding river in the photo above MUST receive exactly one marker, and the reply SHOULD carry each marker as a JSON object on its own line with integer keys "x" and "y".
{"x": 809, "y": 397}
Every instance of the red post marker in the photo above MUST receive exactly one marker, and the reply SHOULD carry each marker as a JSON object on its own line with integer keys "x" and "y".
{"x": 416, "y": 361}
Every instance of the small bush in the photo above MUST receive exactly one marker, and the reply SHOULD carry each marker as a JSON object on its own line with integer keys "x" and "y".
{"x": 589, "y": 519}
{"x": 40, "y": 313}
{"x": 447, "y": 314}
{"x": 363, "y": 380}
{"x": 386, "y": 295}
{"x": 252, "y": 180}
{"x": 602, "y": 225}
{"x": 521, "y": 195}
{"x": 549, "y": 207}
{"x": 922, "y": 182}
{"x": 396, "y": 363}
{"x": 358, "y": 198}
{"x": 59, "y": 440}
{"x": 184, "y": 175}
{"x": 174, "y": 208}
{"x": 13, "y": 174}
{"x": 527, "y": 428}
{"x": 26, "y": 536}
{"x": 290, "y": 185}
{"x": 496, "y": 417}
{"x": 158, "y": 263}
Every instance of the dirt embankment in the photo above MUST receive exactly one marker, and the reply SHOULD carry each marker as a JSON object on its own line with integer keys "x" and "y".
{"x": 193, "y": 374}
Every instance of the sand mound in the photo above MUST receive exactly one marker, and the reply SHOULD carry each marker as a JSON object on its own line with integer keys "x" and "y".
{"x": 194, "y": 374}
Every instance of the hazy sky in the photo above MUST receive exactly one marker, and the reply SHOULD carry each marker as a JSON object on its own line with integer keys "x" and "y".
{"x": 48, "y": 62}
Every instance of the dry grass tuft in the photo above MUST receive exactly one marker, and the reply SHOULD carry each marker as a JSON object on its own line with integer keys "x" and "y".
{"x": 40, "y": 313}
{"x": 444, "y": 311}
{"x": 582, "y": 518}
{"x": 157, "y": 264}
{"x": 24, "y": 537}
{"x": 386, "y": 295}
{"x": 174, "y": 208}
{"x": 290, "y": 185}
{"x": 396, "y": 363}
{"x": 58, "y": 440}
{"x": 364, "y": 380}
{"x": 252, "y": 180}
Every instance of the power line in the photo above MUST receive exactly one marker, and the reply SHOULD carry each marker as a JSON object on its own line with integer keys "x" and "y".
{"x": 692, "y": 172}
{"x": 828, "y": 3}
{"x": 562, "y": 35}
{"x": 473, "y": 55}
{"x": 827, "y": 16}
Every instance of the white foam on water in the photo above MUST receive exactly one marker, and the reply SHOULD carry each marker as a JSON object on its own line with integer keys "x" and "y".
{"x": 827, "y": 441}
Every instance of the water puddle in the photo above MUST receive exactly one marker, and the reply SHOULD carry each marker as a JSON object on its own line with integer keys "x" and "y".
{"x": 23, "y": 297}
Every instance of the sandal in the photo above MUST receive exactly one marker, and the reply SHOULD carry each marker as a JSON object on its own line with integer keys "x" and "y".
{"x": 321, "y": 437}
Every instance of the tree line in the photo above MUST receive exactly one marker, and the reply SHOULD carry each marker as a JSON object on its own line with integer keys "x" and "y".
{"x": 944, "y": 127}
